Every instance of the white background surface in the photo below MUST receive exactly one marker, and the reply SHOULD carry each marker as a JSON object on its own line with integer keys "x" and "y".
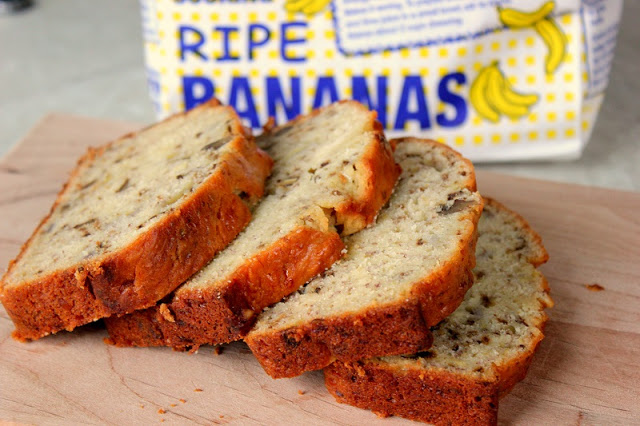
{"x": 85, "y": 57}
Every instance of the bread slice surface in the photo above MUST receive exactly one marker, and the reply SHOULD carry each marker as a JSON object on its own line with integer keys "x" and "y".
{"x": 399, "y": 277}
{"x": 479, "y": 352}
{"x": 333, "y": 171}
{"x": 137, "y": 217}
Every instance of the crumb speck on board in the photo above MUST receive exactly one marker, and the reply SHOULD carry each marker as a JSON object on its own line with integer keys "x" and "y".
{"x": 197, "y": 390}
{"x": 594, "y": 287}
{"x": 301, "y": 392}
{"x": 141, "y": 405}
{"x": 161, "y": 411}
{"x": 182, "y": 400}
{"x": 173, "y": 405}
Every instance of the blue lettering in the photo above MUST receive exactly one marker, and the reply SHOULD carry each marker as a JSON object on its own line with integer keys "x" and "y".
{"x": 452, "y": 99}
{"x": 361, "y": 94}
{"x": 196, "y": 90}
{"x": 226, "y": 41}
{"x": 253, "y": 39}
{"x": 241, "y": 91}
{"x": 275, "y": 97}
{"x": 194, "y": 47}
{"x": 326, "y": 85}
{"x": 412, "y": 87}
{"x": 287, "y": 41}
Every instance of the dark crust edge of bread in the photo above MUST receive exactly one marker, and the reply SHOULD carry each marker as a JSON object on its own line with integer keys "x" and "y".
{"x": 437, "y": 396}
{"x": 139, "y": 274}
{"x": 433, "y": 397}
{"x": 226, "y": 313}
{"x": 393, "y": 329}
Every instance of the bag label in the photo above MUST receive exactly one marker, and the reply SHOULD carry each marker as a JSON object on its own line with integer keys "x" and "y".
{"x": 497, "y": 80}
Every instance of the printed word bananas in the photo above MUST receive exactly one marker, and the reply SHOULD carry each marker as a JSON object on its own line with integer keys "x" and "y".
{"x": 513, "y": 18}
{"x": 492, "y": 96}
{"x": 308, "y": 7}
{"x": 556, "y": 42}
{"x": 545, "y": 26}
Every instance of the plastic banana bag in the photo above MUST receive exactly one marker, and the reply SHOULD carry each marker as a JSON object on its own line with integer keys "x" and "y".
{"x": 497, "y": 80}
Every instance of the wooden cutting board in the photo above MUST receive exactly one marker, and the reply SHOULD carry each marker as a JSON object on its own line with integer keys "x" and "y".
{"x": 587, "y": 370}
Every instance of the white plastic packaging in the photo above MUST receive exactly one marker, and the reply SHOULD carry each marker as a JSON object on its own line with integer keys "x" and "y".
{"x": 497, "y": 80}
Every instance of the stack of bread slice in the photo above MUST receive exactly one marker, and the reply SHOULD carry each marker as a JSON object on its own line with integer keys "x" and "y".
{"x": 333, "y": 170}
{"x": 360, "y": 259}
{"x": 397, "y": 279}
{"x": 479, "y": 352}
{"x": 137, "y": 217}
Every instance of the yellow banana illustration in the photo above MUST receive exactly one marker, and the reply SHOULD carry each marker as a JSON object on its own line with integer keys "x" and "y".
{"x": 544, "y": 25}
{"x": 519, "y": 98}
{"x": 315, "y": 7}
{"x": 492, "y": 95}
{"x": 478, "y": 96}
{"x": 293, "y": 6}
{"x": 308, "y": 7}
{"x": 513, "y": 18}
{"x": 511, "y": 95}
{"x": 556, "y": 42}
{"x": 496, "y": 89}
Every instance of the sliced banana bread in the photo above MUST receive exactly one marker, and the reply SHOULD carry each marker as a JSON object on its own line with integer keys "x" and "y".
{"x": 399, "y": 277}
{"x": 479, "y": 352}
{"x": 333, "y": 171}
{"x": 136, "y": 218}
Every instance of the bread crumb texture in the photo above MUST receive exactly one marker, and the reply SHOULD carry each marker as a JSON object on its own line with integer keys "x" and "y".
{"x": 418, "y": 231}
{"x": 124, "y": 190}
{"x": 594, "y": 287}
{"x": 137, "y": 217}
{"x": 317, "y": 162}
{"x": 504, "y": 310}
{"x": 333, "y": 171}
{"x": 479, "y": 352}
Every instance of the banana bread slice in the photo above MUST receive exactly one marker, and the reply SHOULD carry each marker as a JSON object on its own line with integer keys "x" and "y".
{"x": 479, "y": 352}
{"x": 333, "y": 171}
{"x": 137, "y": 217}
{"x": 399, "y": 277}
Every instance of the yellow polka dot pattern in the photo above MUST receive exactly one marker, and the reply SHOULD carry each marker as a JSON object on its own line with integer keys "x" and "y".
{"x": 520, "y": 54}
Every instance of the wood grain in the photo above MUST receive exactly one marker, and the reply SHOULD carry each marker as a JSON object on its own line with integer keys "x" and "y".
{"x": 586, "y": 372}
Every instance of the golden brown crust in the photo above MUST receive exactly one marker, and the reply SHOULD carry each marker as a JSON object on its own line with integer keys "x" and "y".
{"x": 224, "y": 313}
{"x": 433, "y": 396}
{"x": 393, "y": 329}
{"x": 154, "y": 264}
{"x": 382, "y": 174}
